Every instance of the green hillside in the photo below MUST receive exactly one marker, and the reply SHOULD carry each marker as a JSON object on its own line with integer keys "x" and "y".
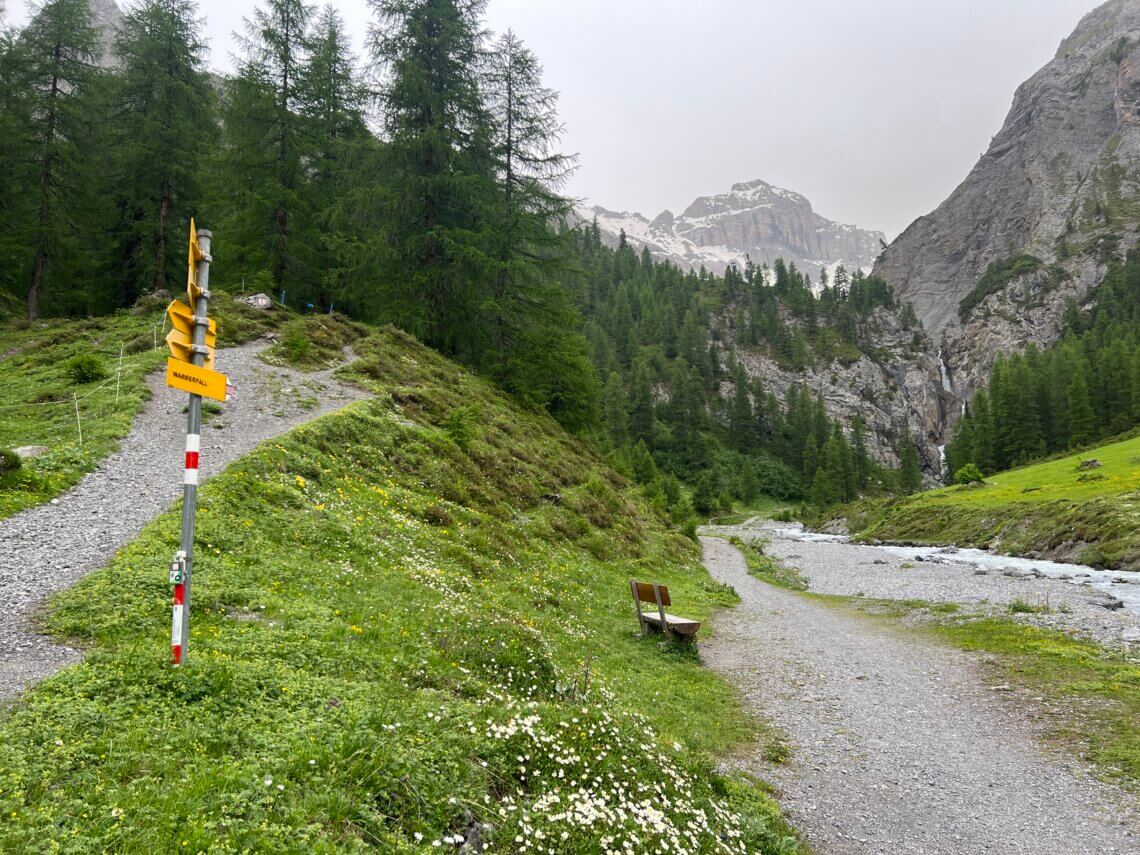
{"x": 51, "y": 368}
{"x": 412, "y": 628}
{"x": 1066, "y": 508}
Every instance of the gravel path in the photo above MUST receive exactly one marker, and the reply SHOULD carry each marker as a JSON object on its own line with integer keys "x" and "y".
{"x": 899, "y": 746}
{"x": 894, "y": 573}
{"x": 48, "y": 548}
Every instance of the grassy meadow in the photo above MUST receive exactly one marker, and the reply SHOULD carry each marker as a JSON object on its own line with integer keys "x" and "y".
{"x": 412, "y": 630}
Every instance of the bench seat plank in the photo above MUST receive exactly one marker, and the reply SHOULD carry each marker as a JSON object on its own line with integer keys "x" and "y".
{"x": 681, "y": 625}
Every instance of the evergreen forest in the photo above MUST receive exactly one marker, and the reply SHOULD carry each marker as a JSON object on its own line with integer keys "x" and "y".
{"x": 420, "y": 186}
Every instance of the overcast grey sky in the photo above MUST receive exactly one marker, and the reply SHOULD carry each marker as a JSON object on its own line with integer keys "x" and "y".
{"x": 873, "y": 109}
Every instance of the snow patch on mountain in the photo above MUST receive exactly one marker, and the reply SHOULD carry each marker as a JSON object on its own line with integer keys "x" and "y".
{"x": 754, "y": 220}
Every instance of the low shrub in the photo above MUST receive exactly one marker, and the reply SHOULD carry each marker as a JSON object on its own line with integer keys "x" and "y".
{"x": 1020, "y": 607}
{"x": 460, "y": 424}
{"x": 9, "y": 461}
{"x": 969, "y": 474}
{"x": 295, "y": 342}
{"x": 86, "y": 368}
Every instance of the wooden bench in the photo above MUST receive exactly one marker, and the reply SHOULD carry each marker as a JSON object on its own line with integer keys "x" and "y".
{"x": 646, "y": 592}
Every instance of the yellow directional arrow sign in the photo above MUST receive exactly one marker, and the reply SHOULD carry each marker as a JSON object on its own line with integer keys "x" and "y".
{"x": 182, "y": 348}
{"x": 180, "y": 339}
{"x": 182, "y": 318}
{"x": 196, "y": 255}
{"x": 196, "y": 380}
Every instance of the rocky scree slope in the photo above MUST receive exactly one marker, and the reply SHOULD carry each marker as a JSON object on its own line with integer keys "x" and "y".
{"x": 1059, "y": 183}
{"x": 753, "y": 220}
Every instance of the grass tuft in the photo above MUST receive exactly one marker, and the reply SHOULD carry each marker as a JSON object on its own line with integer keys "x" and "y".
{"x": 769, "y": 569}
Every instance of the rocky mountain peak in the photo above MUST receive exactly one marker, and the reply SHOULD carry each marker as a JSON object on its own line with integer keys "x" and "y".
{"x": 106, "y": 17}
{"x": 753, "y": 220}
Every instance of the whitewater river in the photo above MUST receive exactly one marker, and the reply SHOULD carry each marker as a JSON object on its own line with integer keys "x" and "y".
{"x": 1121, "y": 584}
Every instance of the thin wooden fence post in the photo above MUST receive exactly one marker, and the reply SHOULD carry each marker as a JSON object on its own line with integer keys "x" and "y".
{"x": 78, "y": 421}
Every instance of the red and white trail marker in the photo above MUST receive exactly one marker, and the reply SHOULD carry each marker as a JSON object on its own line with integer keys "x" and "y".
{"x": 193, "y": 443}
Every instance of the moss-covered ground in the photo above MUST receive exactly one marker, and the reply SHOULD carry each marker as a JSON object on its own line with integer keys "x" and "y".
{"x": 411, "y": 628}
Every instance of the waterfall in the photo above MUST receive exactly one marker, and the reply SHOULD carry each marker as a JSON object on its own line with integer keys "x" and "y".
{"x": 946, "y": 384}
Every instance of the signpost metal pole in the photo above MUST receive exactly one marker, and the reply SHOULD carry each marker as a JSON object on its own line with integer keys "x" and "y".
{"x": 180, "y": 633}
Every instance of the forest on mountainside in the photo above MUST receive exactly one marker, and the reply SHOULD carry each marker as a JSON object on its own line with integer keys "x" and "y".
{"x": 675, "y": 395}
{"x": 1084, "y": 389}
{"x": 419, "y": 186}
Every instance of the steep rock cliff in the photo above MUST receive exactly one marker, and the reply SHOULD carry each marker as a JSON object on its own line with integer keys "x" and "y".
{"x": 1059, "y": 188}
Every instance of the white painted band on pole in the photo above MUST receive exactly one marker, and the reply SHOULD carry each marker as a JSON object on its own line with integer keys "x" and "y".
{"x": 191, "y": 477}
{"x": 176, "y": 627}
{"x": 193, "y": 442}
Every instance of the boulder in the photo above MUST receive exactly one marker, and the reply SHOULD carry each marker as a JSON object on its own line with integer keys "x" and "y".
{"x": 257, "y": 301}
{"x": 27, "y": 452}
{"x": 1019, "y": 573}
{"x": 1111, "y": 603}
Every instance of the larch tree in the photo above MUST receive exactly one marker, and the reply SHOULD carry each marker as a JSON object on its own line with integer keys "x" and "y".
{"x": 438, "y": 186}
{"x": 267, "y": 146}
{"x": 333, "y": 105}
{"x": 54, "y": 73}
{"x": 10, "y": 156}
{"x": 161, "y": 122}
{"x": 1081, "y": 416}
{"x": 531, "y": 173}
{"x": 910, "y": 469}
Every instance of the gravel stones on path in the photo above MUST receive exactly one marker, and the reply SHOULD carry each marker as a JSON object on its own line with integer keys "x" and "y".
{"x": 898, "y": 746}
{"x": 47, "y": 548}
{"x": 850, "y": 569}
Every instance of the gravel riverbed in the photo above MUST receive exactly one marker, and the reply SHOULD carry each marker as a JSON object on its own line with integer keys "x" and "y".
{"x": 850, "y": 569}
{"x": 899, "y": 745}
{"x": 48, "y": 548}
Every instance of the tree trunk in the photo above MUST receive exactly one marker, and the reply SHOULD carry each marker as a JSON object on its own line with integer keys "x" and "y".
{"x": 282, "y": 161}
{"x": 45, "y": 203}
{"x": 501, "y": 286}
{"x": 160, "y": 238}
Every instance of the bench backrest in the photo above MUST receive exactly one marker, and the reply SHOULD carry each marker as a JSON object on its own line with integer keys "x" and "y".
{"x": 645, "y": 594}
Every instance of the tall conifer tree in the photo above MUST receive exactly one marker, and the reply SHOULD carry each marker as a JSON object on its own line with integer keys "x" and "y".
{"x": 332, "y": 103}
{"x": 267, "y": 146}
{"x": 54, "y": 75}
{"x": 162, "y": 121}
{"x": 438, "y": 186}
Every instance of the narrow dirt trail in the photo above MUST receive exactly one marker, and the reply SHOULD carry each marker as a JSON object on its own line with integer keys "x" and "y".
{"x": 898, "y": 745}
{"x": 47, "y": 548}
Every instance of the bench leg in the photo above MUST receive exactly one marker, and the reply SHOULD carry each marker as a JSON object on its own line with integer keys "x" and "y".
{"x": 637, "y": 606}
{"x": 665, "y": 631}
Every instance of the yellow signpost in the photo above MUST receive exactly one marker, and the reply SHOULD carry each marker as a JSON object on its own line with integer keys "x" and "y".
{"x": 181, "y": 347}
{"x": 180, "y": 340}
{"x": 196, "y": 255}
{"x": 196, "y": 380}
{"x": 192, "y": 339}
{"x": 182, "y": 318}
